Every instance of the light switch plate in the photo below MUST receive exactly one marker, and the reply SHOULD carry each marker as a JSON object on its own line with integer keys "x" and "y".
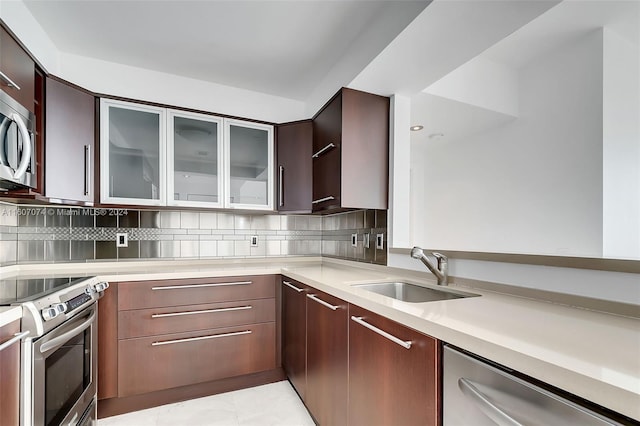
{"x": 122, "y": 239}
{"x": 254, "y": 241}
{"x": 380, "y": 241}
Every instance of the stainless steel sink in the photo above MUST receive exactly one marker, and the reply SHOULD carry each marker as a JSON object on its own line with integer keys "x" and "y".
{"x": 411, "y": 292}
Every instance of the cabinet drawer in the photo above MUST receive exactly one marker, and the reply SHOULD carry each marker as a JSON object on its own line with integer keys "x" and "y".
{"x": 154, "y": 294}
{"x": 154, "y": 321}
{"x": 154, "y": 363}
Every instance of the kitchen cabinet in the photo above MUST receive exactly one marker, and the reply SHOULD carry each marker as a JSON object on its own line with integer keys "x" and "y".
{"x": 294, "y": 333}
{"x": 327, "y": 358}
{"x": 351, "y": 152}
{"x": 165, "y": 339}
{"x": 294, "y": 144}
{"x": 212, "y": 162}
{"x": 17, "y": 71}
{"x": 132, "y": 153}
{"x": 249, "y": 165}
{"x": 10, "y": 374}
{"x": 393, "y": 373}
{"x": 195, "y": 158}
{"x": 70, "y": 137}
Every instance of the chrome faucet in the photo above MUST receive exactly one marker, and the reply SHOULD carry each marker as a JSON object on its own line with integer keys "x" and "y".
{"x": 440, "y": 270}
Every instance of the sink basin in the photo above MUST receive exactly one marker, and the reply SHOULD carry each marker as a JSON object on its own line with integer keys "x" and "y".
{"x": 411, "y": 292}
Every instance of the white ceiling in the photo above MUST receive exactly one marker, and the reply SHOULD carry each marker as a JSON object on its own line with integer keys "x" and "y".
{"x": 283, "y": 48}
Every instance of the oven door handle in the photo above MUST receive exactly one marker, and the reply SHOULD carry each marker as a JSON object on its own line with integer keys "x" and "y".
{"x": 56, "y": 342}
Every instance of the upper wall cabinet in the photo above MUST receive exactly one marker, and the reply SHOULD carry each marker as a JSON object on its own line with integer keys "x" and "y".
{"x": 294, "y": 144}
{"x": 351, "y": 152}
{"x": 17, "y": 71}
{"x": 70, "y": 134}
{"x": 155, "y": 156}
{"x": 249, "y": 165}
{"x": 195, "y": 159}
{"x": 132, "y": 154}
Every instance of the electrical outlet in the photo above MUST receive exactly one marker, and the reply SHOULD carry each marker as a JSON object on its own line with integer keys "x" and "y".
{"x": 354, "y": 240}
{"x": 380, "y": 241}
{"x": 254, "y": 241}
{"x": 122, "y": 239}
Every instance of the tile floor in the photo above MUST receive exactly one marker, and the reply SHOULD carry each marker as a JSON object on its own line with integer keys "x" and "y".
{"x": 267, "y": 405}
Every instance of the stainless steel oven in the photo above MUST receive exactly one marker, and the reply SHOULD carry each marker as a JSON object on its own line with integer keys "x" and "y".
{"x": 63, "y": 370}
{"x": 59, "y": 354}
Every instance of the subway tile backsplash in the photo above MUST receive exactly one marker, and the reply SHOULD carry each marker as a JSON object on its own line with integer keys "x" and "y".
{"x": 58, "y": 234}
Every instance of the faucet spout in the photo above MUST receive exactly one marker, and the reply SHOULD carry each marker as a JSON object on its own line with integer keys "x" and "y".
{"x": 440, "y": 269}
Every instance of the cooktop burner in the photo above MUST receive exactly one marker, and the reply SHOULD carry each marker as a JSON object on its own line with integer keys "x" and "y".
{"x": 18, "y": 290}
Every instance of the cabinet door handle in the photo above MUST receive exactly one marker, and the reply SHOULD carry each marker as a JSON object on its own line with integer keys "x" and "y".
{"x": 281, "y": 186}
{"x": 176, "y": 287}
{"x": 8, "y": 81}
{"x": 404, "y": 343}
{"x": 87, "y": 169}
{"x": 323, "y": 150}
{"x": 195, "y": 339}
{"x": 204, "y": 311}
{"x": 288, "y": 284}
{"x": 320, "y": 200}
{"x": 322, "y": 302}
{"x": 15, "y": 339}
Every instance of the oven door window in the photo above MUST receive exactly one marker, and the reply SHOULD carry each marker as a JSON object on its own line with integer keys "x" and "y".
{"x": 67, "y": 375}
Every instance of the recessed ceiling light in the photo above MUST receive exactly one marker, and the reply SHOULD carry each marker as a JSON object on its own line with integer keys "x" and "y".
{"x": 416, "y": 128}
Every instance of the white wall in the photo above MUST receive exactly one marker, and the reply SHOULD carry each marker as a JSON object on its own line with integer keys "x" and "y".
{"x": 621, "y": 147}
{"x": 532, "y": 185}
{"x": 399, "y": 173}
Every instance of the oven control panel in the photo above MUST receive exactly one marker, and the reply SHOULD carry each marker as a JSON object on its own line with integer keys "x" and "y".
{"x": 79, "y": 301}
{"x": 60, "y": 308}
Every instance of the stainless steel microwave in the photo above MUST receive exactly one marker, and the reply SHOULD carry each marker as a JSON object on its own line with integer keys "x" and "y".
{"x": 17, "y": 153}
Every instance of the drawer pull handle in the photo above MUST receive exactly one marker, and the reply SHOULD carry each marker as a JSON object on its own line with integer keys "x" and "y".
{"x": 8, "y": 81}
{"x": 204, "y": 311}
{"x": 326, "y": 148}
{"x": 321, "y": 200}
{"x": 15, "y": 339}
{"x": 394, "y": 339}
{"x": 195, "y": 339}
{"x": 288, "y": 284}
{"x": 176, "y": 287}
{"x": 322, "y": 302}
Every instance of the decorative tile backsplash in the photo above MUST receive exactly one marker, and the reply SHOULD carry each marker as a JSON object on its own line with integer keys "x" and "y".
{"x": 60, "y": 234}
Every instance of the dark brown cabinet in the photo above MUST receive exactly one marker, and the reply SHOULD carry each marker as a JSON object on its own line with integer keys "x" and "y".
{"x": 351, "y": 152}
{"x": 168, "y": 340}
{"x": 294, "y": 333}
{"x": 17, "y": 71}
{"x": 391, "y": 381}
{"x": 10, "y": 375}
{"x": 70, "y": 136}
{"x": 293, "y": 160}
{"x": 327, "y": 358}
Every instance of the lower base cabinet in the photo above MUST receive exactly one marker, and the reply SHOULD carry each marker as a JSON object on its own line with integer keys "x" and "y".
{"x": 10, "y": 375}
{"x": 327, "y": 369}
{"x": 393, "y": 373}
{"x": 169, "y": 340}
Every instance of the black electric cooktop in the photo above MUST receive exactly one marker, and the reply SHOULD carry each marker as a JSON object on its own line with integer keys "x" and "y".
{"x": 17, "y": 290}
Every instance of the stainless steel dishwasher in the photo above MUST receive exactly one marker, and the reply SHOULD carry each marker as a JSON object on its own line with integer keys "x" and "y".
{"x": 476, "y": 393}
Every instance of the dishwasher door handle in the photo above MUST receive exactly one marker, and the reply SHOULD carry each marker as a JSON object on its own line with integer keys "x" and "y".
{"x": 485, "y": 405}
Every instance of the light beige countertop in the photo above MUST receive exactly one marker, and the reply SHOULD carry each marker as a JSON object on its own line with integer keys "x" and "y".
{"x": 591, "y": 354}
{"x": 9, "y": 314}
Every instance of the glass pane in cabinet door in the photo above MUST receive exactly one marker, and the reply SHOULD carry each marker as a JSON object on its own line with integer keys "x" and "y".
{"x": 195, "y": 164}
{"x": 134, "y": 163}
{"x": 248, "y": 163}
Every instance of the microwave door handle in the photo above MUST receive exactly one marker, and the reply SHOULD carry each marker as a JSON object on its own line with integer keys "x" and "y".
{"x": 26, "y": 147}
{"x": 6, "y": 121}
{"x": 56, "y": 342}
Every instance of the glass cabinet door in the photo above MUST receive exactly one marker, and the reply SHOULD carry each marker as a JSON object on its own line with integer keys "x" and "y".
{"x": 249, "y": 165}
{"x": 132, "y": 153}
{"x": 194, "y": 160}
